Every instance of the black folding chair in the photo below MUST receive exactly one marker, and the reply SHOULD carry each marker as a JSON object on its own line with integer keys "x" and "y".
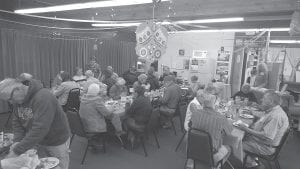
{"x": 73, "y": 101}
{"x": 200, "y": 148}
{"x": 273, "y": 158}
{"x": 150, "y": 128}
{"x": 77, "y": 128}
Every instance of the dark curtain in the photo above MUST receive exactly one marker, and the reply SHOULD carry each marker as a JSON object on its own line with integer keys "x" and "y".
{"x": 118, "y": 54}
{"x": 44, "y": 56}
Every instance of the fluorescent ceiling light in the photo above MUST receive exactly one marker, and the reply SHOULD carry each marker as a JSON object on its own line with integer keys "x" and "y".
{"x": 116, "y": 24}
{"x": 217, "y": 20}
{"x": 284, "y": 41}
{"x": 87, "y": 5}
{"x": 235, "y": 30}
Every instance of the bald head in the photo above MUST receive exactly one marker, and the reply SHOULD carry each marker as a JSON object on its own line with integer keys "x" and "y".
{"x": 271, "y": 99}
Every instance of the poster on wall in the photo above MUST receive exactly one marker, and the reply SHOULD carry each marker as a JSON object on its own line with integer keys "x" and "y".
{"x": 222, "y": 71}
{"x": 186, "y": 64}
{"x": 223, "y": 56}
{"x": 194, "y": 65}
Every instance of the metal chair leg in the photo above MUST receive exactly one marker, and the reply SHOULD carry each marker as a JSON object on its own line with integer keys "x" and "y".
{"x": 144, "y": 147}
{"x": 72, "y": 137}
{"x": 277, "y": 164}
{"x": 181, "y": 122}
{"x": 155, "y": 136}
{"x": 104, "y": 144}
{"x": 180, "y": 141}
{"x": 85, "y": 152}
{"x": 173, "y": 126}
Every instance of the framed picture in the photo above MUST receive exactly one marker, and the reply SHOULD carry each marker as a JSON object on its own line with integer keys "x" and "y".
{"x": 223, "y": 56}
{"x": 181, "y": 52}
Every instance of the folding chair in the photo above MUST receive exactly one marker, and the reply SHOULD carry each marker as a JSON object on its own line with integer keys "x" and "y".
{"x": 73, "y": 101}
{"x": 200, "y": 148}
{"x": 273, "y": 157}
{"x": 77, "y": 128}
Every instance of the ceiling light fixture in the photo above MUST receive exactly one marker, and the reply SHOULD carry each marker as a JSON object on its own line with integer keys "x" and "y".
{"x": 116, "y": 24}
{"x": 284, "y": 41}
{"x": 87, "y": 5}
{"x": 235, "y": 30}
{"x": 216, "y": 20}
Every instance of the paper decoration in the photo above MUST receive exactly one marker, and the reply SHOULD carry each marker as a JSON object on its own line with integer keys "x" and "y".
{"x": 223, "y": 56}
{"x": 151, "y": 40}
{"x": 295, "y": 24}
{"x": 200, "y": 54}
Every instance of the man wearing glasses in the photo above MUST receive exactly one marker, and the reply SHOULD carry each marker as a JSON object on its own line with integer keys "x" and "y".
{"x": 39, "y": 120}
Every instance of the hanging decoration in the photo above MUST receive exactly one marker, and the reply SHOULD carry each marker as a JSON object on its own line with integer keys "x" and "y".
{"x": 295, "y": 22}
{"x": 151, "y": 38}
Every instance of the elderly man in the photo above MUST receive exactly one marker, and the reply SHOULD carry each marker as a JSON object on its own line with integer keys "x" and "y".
{"x": 268, "y": 130}
{"x": 214, "y": 123}
{"x": 152, "y": 79}
{"x": 38, "y": 120}
{"x": 197, "y": 104}
{"x": 246, "y": 93}
{"x": 169, "y": 101}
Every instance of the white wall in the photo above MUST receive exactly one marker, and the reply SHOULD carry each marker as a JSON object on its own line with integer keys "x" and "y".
{"x": 210, "y": 42}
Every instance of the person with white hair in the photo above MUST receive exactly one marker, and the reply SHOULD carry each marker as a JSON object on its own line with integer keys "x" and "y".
{"x": 118, "y": 89}
{"x": 262, "y": 76}
{"x": 93, "y": 113}
{"x": 209, "y": 120}
{"x": 90, "y": 79}
{"x": 196, "y": 103}
{"x": 268, "y": 130}
{"x": 142, "y": 81}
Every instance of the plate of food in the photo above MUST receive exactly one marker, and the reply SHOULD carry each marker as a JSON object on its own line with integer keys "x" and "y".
{"x": 48, "y": 163}
{"x": 247, "y": 116}
{"x": 236, "y": 123}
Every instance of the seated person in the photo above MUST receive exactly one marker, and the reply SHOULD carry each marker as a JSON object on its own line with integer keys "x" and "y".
{"x": 169, "y": 101}
{"x": 142, "y": 81}
{"x": 62, "y": 91}
{"x": 90, "y": 79}
{"x": 118, "y": 90}
{"x": 93, "y": 113}
{"x": 79, "y": 77}
{"x": 108, "y": 79}
{"x": 214, "y": 123}
{"x": 138, "y": 113}
{"x": 152, "y": 79}
{"x": 245, "y": 92}
{"x": 56, "y": 81}
{"x": 194, "y": 86}
{"x": 197, "y": 102}
{"x": 268, "y": 130}
{"x": 130, "y": 76}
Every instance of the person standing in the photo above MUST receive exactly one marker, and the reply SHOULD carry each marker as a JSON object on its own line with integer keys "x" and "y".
{"x": 152, "y": 79}
{"x": 38, "y": 120}
{"x": 94, "y": 67}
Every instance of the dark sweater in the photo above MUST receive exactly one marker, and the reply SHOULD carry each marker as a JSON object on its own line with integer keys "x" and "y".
{"x": 40, "y": 120}
{"x": 140, "y": 110}
{"x": 243, "y": 95}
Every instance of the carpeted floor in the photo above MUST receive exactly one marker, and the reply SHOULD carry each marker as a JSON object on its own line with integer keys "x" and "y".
{"x": 163, "y": 158}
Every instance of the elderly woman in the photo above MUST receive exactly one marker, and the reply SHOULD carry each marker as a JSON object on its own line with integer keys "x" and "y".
{"x": 142, "y": 81}
{"x": 138, "y": 113}
{"x": 93, "y": 113}
{"x": 62, "y": 91}
{"x": 118, "y": 90}
{"x": 214, "y": 123}
{"x": 90, "y": 79}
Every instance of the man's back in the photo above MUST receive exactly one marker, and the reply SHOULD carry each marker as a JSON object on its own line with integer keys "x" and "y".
{"x": 215, "y": 124}
{"x": 172, "y": 96}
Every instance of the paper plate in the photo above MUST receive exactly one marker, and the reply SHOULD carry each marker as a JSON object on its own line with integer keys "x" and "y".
{"x": 48, "y": 162}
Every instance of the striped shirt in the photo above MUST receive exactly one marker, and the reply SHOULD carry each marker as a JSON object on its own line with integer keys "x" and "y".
{"x": 212, "y": 122}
